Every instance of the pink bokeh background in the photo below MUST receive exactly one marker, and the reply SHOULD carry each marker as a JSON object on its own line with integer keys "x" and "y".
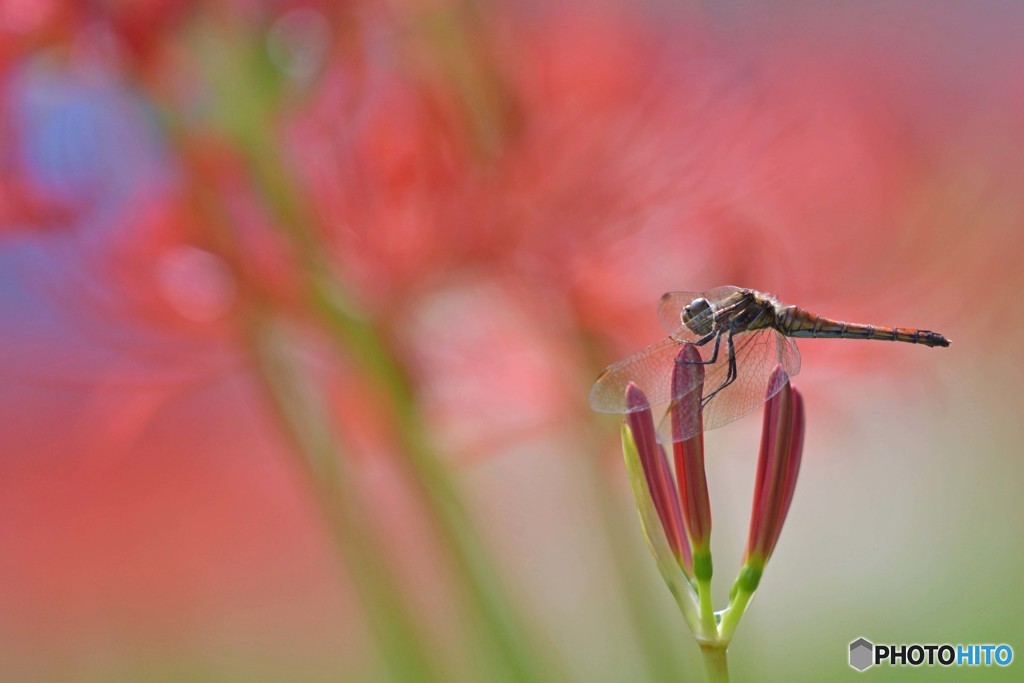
{"x": 503, "y": 199}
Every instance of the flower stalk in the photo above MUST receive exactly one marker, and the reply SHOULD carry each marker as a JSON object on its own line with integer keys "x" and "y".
{"x": 510, "y": 652}
{"x": 675, "y": 509}
{"x": 405, "y": 651}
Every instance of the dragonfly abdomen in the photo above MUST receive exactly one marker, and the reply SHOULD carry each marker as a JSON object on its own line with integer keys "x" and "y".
{"x": 796, "y": 322}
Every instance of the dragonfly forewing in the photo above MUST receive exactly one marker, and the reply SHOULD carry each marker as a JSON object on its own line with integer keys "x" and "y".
{"x": 650, "y": 369}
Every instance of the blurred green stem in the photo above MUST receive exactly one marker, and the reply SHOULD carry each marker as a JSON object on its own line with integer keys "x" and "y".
{"x": 238, "y": 74}
{"x": 515, "y": 658}
{"x": 302, "y": 414}
{"x": 658, "y": 651}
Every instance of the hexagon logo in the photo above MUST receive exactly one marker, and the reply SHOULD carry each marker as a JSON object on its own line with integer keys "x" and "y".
{"x": 862, "y": 654}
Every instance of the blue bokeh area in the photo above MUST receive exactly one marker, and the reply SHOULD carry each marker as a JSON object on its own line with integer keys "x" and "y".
{"x": 91, "y": 148}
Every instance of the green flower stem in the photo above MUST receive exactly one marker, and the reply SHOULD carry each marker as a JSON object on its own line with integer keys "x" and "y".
{"x": 401, "y": 648}
{"x": 253, "y": 126}
{"x": 702, "y": 572}
{"x": 404, "y": 653}
{"x": 709, "y": 629}
{"x": 716, "y": 662}
{"x": 514, "y": 655}
{"x": 731, "y": 617}
{"x": 742, "y": 592}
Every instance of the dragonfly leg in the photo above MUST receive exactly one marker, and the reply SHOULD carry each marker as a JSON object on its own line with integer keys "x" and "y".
{"x": 717, "y": 336}
{"x": 730, "y": 376}
{"x": 706, "y": 338}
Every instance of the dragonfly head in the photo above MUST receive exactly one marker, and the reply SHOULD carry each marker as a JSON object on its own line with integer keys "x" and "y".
{"x": 697, "y": 316}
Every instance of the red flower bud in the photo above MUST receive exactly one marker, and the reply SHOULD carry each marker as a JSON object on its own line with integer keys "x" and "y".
{"x": 782, "y": 440}
{"x": 658, "y": 474}
{"x": 689, "y": 453}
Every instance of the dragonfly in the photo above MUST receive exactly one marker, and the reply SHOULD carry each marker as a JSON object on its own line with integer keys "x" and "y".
{"x": 742, "y": 336}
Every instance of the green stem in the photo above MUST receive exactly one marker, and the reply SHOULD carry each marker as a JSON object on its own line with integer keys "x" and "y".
{"x": 356, "y": 338}
{"x": 716, "y": 662}
{"x": 406, "y": 656}
{"x": 742, "y": 592}
{"x": 731, "y": 617}
{"x": 707, "y": 610}
{"x": 245, "y": 113}
{"x": 513, "y": 654}
{"x": 654, "y": 640}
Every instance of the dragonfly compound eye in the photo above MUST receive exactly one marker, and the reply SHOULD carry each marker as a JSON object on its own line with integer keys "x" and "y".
{"x": 697, "y": 315}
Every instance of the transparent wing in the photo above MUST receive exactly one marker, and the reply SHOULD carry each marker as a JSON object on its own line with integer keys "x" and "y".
{"x": 671, "y": 306}
{"x": 650, "y": 369}
{"x": 757, "y": 354}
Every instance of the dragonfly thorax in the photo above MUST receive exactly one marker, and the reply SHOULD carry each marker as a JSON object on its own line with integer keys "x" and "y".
{"x": 697, "y": 316}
